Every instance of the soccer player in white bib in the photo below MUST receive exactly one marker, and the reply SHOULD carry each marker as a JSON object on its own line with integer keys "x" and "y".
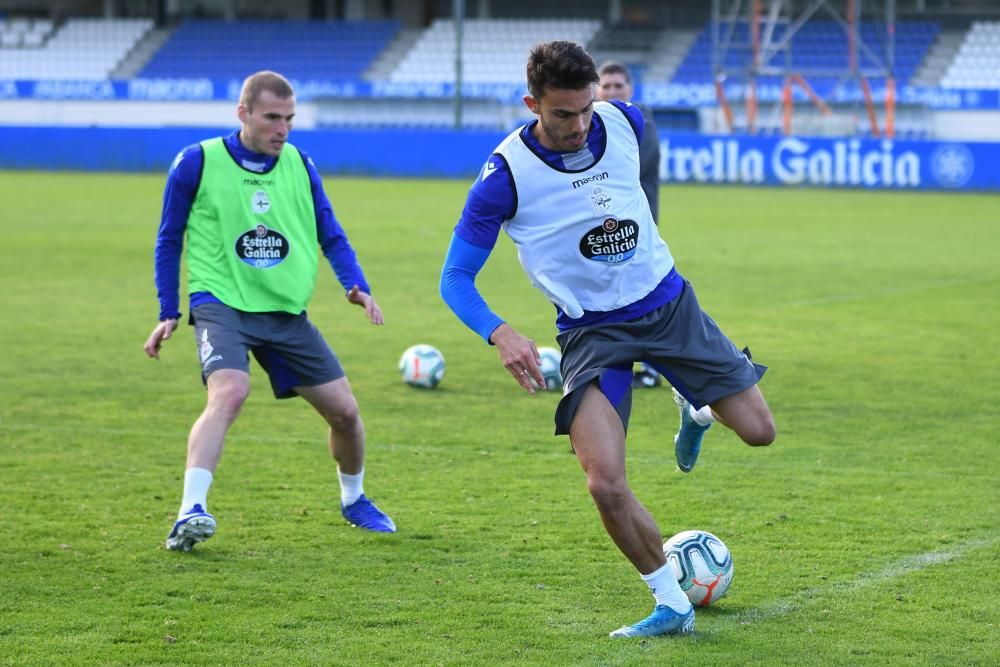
{"x": 565, "y": 188}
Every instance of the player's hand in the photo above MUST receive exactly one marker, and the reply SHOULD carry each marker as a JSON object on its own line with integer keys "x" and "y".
{"x": 519, "y": 356}
{"x": 162, "y": 332}
{"x": 372, "y": 311}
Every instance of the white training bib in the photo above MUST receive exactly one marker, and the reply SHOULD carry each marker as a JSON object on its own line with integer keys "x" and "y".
{"x": 586, "y": 238}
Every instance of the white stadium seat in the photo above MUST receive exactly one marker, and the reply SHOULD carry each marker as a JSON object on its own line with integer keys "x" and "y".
{"x": 977, "y": 61}
{"x": 494, "y": 50}
{"x": 80, "y": 49}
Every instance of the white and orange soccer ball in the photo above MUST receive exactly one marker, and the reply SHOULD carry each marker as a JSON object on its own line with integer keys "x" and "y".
{"x": 422, "y": 366}
{"x": 702, "y": 564}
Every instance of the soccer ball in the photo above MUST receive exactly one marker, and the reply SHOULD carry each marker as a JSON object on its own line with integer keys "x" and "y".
{"x": 422, "y": 366}
{"x": 551, "y": 372}
{"x": 702, "y": 564}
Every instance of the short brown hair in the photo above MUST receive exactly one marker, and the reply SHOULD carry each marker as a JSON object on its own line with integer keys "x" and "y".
{"x": 257, "y": 83}
{"x": 561, "y": 65}
{"x": 615, "y": 67}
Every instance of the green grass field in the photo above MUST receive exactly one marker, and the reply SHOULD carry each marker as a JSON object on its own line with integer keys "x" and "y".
{"x": 868, "y": 534}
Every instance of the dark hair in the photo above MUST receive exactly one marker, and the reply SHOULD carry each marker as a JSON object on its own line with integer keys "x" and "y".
{"x": 615, "y": 67}
{"x": 257, "y": 83}
{"x": 561, "y": 65}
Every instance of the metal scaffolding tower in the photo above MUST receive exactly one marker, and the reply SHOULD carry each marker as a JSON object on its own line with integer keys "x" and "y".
{"x": 759, "y": 34}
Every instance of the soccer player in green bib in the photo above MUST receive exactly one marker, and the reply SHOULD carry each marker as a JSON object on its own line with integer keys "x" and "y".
{"x": 252, "y": 207}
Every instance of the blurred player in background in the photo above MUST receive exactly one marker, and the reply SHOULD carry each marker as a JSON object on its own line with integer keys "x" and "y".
{"x": 565, "y": 188}
{"x": 252, "y": 207}
{"x": 616, "y": 84}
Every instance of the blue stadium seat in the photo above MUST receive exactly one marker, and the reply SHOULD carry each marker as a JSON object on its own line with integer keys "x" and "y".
{"x": 338, "y": 50}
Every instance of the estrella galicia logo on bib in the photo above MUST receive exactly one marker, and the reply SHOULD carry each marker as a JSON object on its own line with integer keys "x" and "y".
{"x": 262, "y": 248}
{"x": 614, "y": 241}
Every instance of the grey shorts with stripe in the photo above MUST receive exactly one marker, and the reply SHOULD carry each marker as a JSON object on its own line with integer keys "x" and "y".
{"x": 678, "y": 339}
{"x": 288, "y": 347}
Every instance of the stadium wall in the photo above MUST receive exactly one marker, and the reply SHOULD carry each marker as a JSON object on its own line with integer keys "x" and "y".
{"x": 685, "y": 158}
{"x": 423, "y": 153}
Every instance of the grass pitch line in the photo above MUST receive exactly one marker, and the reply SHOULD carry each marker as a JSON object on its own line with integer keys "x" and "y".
{"x": 902, "y": 567}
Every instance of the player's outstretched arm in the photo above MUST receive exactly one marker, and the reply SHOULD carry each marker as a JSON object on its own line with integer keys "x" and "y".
{"x": 356, "y": 296}
{"x": 162, "y": 332}
{"x": 519, "y": 356}
{"x": 458, "y": 287}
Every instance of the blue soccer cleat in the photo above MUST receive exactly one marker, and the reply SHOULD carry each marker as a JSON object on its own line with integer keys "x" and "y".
{"x": 687, "y": 442}
{"x": 663, "y": 621}
{"x": 362, "y": 513}
{"x": 190, "y": 529}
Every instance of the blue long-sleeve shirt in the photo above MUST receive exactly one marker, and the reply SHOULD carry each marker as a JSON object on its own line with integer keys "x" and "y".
{"x": 492, "y": 200}
{"x": 178, "y": 196}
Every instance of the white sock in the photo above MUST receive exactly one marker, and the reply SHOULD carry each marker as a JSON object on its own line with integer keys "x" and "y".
{"x": 196, "y": 483}
{"x": 351, "y": 486}
{"x": 666, "y": 590}
{"x": 703, "y": 416}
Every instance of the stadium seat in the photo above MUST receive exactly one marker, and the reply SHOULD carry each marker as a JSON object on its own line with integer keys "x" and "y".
{"x": 80, "y": 49}
{"x": 493, "y": 50}
{"x": 339, "y": 50}
{"x": 977, "y": 61}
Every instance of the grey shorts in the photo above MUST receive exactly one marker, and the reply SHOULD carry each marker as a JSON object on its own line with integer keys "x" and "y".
{"x": 678, "y": 339}
{"x": 288, "y": 347}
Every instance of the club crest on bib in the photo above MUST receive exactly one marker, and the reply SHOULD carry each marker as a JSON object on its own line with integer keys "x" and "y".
{"x": 260, "y": 203}
{"x": 261, "y": 247}
{"x": 613, "y": 241}
{"x": 601, "y": 201}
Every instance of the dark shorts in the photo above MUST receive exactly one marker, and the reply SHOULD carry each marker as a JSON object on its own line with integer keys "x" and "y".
{"x": 678, "y": 339}
{"x": 288, "y": 347}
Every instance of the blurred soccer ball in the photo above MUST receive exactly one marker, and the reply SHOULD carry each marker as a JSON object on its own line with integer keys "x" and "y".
{"x": 551, "y": 371}
{"x": 422, "y": 366}
{"x": 702, "y": 564}
{"x": 645, "y": 376}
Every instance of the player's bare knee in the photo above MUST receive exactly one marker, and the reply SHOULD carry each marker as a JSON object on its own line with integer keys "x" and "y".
{"x": 760, "y": 434}
{"x": 229, "y": 400}
{"x": 607, "y": 493}
{"x": 344, "y": 418}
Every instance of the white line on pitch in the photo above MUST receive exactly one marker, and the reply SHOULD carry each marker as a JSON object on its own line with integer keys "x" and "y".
{"x": 904, "y": 566}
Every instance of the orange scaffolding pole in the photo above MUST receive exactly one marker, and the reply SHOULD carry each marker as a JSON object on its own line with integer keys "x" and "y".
{"x": 816, "y": 99}
{"x": 890, "y": 107}
{"x": 869, "y": 105}
{"x": 786, "y": 106}
{"x": 727, "y": 110}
